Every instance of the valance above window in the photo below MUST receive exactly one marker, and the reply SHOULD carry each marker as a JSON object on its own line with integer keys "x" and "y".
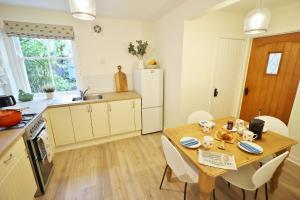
{"x": 34, "y": 30}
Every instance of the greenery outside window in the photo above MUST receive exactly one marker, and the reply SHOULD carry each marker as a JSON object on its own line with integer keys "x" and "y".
{"x": 48, "y": 62}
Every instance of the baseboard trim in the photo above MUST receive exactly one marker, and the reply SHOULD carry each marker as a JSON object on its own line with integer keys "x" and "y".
{"x": 96, "y": 141}
{"x": 294, "y": 159}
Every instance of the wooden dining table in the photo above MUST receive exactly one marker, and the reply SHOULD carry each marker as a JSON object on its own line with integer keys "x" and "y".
{"x": 271, "y": 142}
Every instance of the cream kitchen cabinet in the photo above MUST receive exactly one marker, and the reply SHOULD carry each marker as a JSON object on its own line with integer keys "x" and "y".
{"x": 82, "y": 124}
{"x": 122, "y": 116}
{"x": 90, "y": 121}
{"x": 99, "y": 118}
{"x": 16, "y": 176}
{"x": 138, "y": 114}
{"x": 62, "y": 126}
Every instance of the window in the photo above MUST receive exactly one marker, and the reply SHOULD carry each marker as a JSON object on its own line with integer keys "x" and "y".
{"x": 273, "y": 63}
{"x": 48, "y": 62}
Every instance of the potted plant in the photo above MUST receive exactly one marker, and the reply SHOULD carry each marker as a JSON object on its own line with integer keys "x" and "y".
{"x": 49, "y": 90}
{"x": 139, "y": 51}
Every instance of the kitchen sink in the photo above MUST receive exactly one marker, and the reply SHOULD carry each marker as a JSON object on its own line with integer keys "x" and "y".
{"x": 88, "y": 97}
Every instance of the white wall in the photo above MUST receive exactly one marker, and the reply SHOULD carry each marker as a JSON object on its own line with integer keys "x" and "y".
{"x": 199, "y": 53}
{"x": 294, "y": 127}
{"x": 168, "y": 33}
{"x": 96, "y": 55}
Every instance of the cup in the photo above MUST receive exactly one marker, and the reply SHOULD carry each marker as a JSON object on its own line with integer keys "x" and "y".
{"x": 229, "y": 125}
{"x": 208, "y": 142}
{"x": 239, "y": 123}
{"x": 241, "y": 130}
{"x": 249, "y": 136}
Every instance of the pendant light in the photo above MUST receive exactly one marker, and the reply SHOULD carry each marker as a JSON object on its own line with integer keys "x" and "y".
{"x": 257, "y": 20}
{"x": 83, "y": 9}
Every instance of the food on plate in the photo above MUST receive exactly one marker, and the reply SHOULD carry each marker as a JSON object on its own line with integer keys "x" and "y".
{"x": 224, "y": 135}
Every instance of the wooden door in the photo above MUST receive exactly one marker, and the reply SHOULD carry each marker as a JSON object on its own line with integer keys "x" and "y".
{"x": 82, "y": 124}
{"x": 121, "y": 116}
{"x": 62, "y": 126}
{"x": 272, "y": 93}
{"x": 99, "y": 118}
{"x": 228, "y": 62}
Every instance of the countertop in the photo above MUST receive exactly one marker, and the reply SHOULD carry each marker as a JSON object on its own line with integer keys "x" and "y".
{"x": 39, "y": 105}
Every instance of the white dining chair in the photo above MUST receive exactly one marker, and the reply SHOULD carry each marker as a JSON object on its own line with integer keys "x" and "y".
{"x": 181, "y": 168}
{"x": 276, "y": 125}
{"x": 196, "y": 116}
{"x": 248, "y": 178}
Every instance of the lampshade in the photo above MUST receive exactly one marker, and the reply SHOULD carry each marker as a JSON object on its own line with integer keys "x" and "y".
{"x": 83, "y": 9}
{"x": 257, "y": 20}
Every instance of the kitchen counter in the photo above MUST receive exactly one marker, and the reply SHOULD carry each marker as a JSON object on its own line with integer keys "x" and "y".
{"x": 39, "y": 105}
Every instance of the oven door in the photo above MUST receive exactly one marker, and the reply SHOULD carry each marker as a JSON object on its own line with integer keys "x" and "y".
{"x": 43, "y": 166}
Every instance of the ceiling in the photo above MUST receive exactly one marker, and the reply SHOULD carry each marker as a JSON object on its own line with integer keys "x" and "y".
{"x": 244, "y": 6}
{"x": 129, "y": 9}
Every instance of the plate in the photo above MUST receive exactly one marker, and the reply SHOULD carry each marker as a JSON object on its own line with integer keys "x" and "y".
{"x": 206, "y": 123}
{"x": 234, "y": 129}
{"x": 264, "y": 129}
{"x": 256, "y": 148}
{"x": 190, "y": 142}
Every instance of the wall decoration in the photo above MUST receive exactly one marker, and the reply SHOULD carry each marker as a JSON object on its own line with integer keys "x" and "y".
{"x": 97, "y": 29}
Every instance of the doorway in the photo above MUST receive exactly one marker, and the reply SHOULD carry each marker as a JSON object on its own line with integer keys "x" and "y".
{"x": 227, "y": 70}
{"x": 273, "y": 77}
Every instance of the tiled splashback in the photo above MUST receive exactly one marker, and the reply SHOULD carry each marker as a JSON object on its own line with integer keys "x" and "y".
{"x": 102, "y": 82}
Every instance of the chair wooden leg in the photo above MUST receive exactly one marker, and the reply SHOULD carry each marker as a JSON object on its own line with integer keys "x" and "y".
{"x": 255, "y": 196}
{"x": 185, "y": 186}
{"x": 244, "y": 195}
{"x": 214, "y": 194}
{"x": 266, "y": 191}
{"x": 162, "y": 180}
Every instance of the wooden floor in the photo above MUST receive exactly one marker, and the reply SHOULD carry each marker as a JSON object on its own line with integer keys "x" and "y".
{"x": 132, "y": 169}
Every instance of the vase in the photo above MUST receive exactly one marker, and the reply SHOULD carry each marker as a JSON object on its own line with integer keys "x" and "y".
{"x": 140, "y": 64}
{"x": 50, "y": 95}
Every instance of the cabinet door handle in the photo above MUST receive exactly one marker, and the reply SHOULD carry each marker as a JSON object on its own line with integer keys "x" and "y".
{"x": 8, "y": 159}
{"x": 88, "y": 108}
{"x": 109, "y": 107}
{"x": 133, "y": 104}
{"x": 91, "y": 108}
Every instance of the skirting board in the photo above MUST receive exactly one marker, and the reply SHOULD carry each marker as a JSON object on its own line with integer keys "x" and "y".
{"x": 294, "y": 159}
{"x": 97, "y": 141}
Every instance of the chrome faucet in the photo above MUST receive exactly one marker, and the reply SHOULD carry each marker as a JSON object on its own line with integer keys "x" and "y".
{"x": 83, "y": 93}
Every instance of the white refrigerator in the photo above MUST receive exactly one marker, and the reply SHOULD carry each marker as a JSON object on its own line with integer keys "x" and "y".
{"x": 149, "y": 84}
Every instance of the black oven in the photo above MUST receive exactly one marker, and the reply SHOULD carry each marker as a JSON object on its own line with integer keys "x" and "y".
{"x": 42, "y": 168}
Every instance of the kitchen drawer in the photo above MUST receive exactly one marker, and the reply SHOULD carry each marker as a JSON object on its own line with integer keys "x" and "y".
{"x": 10, "y": 158}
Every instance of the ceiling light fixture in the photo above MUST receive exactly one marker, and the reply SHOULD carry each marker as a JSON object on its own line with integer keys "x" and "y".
{"x": 83, "y": 9}
{"x": 257, "y": 20}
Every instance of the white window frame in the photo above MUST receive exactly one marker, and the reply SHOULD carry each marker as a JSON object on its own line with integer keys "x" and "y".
{"x": 21, "y": 73}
